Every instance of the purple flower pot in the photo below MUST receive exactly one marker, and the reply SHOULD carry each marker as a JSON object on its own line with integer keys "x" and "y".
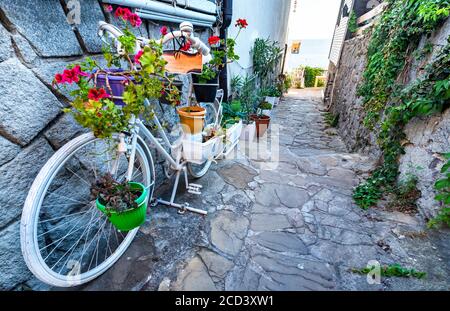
{"x": 116, "y": 83}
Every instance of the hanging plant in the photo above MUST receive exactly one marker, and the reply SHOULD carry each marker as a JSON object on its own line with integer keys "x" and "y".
{"x": 105, "y": 99}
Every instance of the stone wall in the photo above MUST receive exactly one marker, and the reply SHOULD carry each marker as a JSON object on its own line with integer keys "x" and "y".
{"x": 36, "y": 41}
{"x": 427, "y": 137}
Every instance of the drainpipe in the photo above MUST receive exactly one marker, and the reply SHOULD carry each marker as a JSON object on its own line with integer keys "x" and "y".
{"x": 227, "y": 9}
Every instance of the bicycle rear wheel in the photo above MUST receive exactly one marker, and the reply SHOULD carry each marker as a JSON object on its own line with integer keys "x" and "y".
{"x": 66, "y": 241}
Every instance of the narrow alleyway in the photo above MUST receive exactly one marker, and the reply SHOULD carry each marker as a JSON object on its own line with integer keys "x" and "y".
{"x": 291, "y": 228}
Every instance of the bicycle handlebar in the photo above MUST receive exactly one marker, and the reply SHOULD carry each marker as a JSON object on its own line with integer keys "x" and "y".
{"x": 186, "y": 31}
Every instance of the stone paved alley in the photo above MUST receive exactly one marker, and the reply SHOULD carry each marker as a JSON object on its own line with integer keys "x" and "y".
{"x": 292, "y": 228}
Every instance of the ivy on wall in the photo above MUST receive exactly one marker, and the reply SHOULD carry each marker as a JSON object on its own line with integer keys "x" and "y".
{"x": 390, "y": 103}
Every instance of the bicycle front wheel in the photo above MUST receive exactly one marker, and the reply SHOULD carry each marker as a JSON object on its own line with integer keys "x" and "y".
{"x": 66, "y": 241}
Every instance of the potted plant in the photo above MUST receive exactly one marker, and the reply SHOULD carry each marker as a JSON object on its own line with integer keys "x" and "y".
{"x": 272, "y": 94}
{"x": 105, "y": 99}
{"x": 223, "y": 52}
{"x": 192, "y": 119}
{"x": 266, "y": 108}
{"x": 262, "y": 121}
{"x": 124, "y": 203}
{"x": 232, "y": 123}
{"x": 207, "y": 149}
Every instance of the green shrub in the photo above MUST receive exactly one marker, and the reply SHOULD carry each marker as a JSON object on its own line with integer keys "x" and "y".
{"x": 310, "y": 75}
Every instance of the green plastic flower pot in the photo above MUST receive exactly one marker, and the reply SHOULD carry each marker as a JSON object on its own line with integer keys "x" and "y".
{"x": 132, "y": 218}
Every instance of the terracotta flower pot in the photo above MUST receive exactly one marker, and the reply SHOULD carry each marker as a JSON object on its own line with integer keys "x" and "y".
{"x": 262, "y": 124}
{"x": 192, "y": 119}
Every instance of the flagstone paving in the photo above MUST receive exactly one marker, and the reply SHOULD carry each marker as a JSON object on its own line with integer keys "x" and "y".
{"x": 294, "y": 227}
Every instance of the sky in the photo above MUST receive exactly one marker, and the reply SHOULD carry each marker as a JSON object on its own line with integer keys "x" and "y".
{"x": 314, "y": 19}
{"x": 313, "y": 24}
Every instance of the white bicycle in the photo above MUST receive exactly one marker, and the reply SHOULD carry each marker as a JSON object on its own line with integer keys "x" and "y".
{"x": 65, "y": 240}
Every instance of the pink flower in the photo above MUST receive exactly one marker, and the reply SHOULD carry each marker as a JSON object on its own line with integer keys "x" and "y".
{"x": 186, "y": 46}
{"x": 138, "y": 56}
{"x": 135, "y": 20}
{"x": 164, "y": 30}
{"x": 77, "y": 70}
{"x": 70, "y": 76}
{"x": 109, "y": 8}
{"x": 124, "y": 13}
{"x": 60, "y": 79}
{"x": 97, "y": 94}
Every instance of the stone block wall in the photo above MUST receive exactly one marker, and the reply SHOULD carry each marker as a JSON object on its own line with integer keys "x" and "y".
{"x": 427, "y": 137}
{"x": 36, "y": 41}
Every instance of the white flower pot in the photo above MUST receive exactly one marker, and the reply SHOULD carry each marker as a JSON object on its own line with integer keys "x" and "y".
{"x": 248, "y": 132}
{"x": 199, "y": 153}
{"x": 232, "y": 136}
{"x": 267, "y": 112}
{"x": 272, "y": 100}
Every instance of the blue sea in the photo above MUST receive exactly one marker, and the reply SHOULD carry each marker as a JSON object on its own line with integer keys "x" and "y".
{"x": 313, "y": 53}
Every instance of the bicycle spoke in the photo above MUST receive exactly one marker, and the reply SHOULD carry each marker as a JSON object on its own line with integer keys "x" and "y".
{"x": 82, "y": 179}
{"x": 63, "y": 238}
{"x": 60, "y": 225}
{"x": 67, "y": 198}
{"x": 66, "y": 216}
{"x": 71, "y": 249}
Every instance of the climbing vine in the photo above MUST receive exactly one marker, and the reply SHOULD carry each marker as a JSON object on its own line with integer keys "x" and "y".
{"x": 390, "y": 103}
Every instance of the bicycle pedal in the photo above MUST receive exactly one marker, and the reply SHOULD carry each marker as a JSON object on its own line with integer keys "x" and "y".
{"x": 194, "y": 192}
{"x": 195, "y": 186}
{"x": 194, "y": 189}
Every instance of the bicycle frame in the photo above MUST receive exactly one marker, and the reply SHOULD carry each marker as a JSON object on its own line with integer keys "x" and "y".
{"x": 138, "y": 128}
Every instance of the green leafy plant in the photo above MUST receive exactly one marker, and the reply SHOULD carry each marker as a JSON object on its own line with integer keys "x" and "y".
{"x": 395, "y": 270}
{"x": 271, "y": 91}
{"x": 116, "y": 196}
{"x": 443, "y": 196}
{"x": 93, "y": 106}
{"x": 310, "y": 75}
{"x": 352, "y": 23}
{"x": 232, "y": 113}
{"x": 393, "y": 41}
{"x": 266, "y": 57}
{"x": 223, "y": 51}
{"x": 331, "y": 120}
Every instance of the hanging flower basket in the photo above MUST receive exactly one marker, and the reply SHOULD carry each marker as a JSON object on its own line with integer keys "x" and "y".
{"x": 205, "y": 92}
{"x": 129, "y": 219}
{"x": 114, "y": 82}
{"x": 192, "y": 119}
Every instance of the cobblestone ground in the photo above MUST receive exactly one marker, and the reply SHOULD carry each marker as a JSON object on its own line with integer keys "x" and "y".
{"x": 294, "y": 227}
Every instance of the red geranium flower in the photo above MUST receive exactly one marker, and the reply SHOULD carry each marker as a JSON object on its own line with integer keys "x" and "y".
{"x": 135, "y": 20}
{"x": 241, "y": 23}
{"x": 164, "y": 30}
{"x": 77, "y": 70}
{"x": 138, "y": 56}
{"x": 70, "y": 76}
{"x": 97, "y": 94}
{"x": 213, "y": 40}
{"x": 186, "y": 46}
{"x": 59, "y": 78}
{"x": 124, "y": 13}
